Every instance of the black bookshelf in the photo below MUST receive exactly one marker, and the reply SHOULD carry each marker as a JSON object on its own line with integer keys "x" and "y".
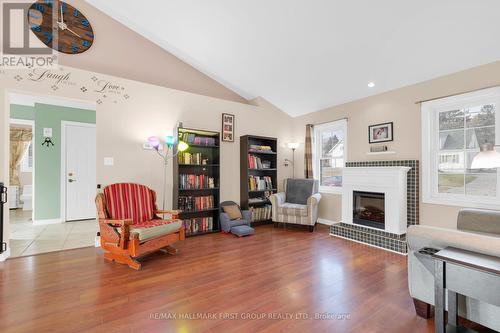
{"x": 208, "y": 167}
{"x": 257, "y": 198}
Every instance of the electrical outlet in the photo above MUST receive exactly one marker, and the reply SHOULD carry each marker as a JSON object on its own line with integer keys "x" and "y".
{"x": 109, "y": 161}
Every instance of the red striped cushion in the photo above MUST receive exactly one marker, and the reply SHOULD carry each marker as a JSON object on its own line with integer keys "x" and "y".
{"x": 129, "y": 201}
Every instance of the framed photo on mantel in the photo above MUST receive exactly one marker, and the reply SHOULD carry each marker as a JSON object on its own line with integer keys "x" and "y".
{"x": 380, "y": 133}
{"x": 228, "y": 127}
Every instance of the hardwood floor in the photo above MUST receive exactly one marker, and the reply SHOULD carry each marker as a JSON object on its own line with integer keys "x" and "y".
{"x": 280, "y": 272}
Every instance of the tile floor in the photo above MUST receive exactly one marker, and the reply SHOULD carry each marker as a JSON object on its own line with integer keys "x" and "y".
{"x": 27, "y": 239}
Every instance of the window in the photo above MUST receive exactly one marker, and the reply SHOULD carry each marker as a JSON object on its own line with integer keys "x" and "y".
{"x": 27, "y": 161}
{"x": 453, "y": 129}
{"x": 330, "y": 152}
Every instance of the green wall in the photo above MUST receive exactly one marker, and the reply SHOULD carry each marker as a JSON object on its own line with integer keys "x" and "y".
{"x": 22, "y": 112}
{"x": 48, "y": 159}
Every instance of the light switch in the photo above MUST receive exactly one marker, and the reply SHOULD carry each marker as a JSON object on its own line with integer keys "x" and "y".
{"x": 147, "y": 146}
{"x": 47, "y": 132}
{"x": 109, "y": 161}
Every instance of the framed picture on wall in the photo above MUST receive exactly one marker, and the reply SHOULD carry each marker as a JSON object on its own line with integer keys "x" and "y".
{"x": 228, "y": 127}
{"x": 380, "y": 133}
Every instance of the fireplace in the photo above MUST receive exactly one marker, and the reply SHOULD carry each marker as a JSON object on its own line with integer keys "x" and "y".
{"x": 375, "y": 198}
{"x": 369, "y": 209}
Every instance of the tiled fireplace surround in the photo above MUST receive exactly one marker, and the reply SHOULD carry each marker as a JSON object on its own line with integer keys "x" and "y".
{"x": 381, "y": 238}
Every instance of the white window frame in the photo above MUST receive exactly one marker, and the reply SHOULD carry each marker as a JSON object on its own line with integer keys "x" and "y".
{"x": 333, "y": 125}
{"x": 430, "y": 148}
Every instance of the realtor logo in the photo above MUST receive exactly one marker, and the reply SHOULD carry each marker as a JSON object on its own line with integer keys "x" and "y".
{"x": 20, "y": 48}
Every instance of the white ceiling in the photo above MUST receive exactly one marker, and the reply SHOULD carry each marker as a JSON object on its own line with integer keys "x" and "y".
{"x": 306, "y": 55}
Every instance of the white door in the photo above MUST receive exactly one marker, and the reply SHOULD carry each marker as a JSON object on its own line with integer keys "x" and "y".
{"x": 80, "y": 170}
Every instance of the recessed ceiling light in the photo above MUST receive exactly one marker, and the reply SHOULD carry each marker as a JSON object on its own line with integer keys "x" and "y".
{"x": 371, "y": 84}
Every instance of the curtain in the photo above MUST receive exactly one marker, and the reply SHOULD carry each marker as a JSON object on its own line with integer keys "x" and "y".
{"x": 20, "y": 139}
{"x": 308, "y": 152}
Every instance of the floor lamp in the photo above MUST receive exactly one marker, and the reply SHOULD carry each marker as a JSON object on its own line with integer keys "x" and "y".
{"x": 293, "y": 146}
{"x": 488, "y": 158}
{"x": 168, "y": 154}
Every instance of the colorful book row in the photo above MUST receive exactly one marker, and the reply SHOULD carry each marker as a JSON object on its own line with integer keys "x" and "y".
{"x": 261, "y": 213}
{"x": 259, "y": 183}
{"x": 190, "y": 182}
{"x": 192, "y": 203}
{"x": 189, "y": 158}
{"x": 197, "y": 140}
{"x": 255, "y": 162}
{"x": 201, "y": 224}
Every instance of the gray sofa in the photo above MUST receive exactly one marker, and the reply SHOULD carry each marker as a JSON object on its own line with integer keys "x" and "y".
{"x": 298, "y": 204}
{"x": 477, "y": 230}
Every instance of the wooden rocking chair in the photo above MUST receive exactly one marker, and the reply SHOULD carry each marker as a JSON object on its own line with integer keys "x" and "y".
{"x": 130, "y": 226}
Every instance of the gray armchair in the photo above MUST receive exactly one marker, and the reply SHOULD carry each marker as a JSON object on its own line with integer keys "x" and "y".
{"x": 298, "y": 204}
{"x": 227, "y": 224}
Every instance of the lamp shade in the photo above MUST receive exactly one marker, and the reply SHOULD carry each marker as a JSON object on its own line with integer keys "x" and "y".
{"x": 182, "y": 146}
{"x": 154, "y": 141}
{"x": 487, "y": 159}
{"x": 293, "y": 145}
{"x": 169, "y": 140}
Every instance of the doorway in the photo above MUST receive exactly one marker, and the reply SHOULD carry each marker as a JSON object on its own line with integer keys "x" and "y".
{"x": 21, "y": 164}
{"x": 63, "y": 178}
{"x": 78, "y": 157}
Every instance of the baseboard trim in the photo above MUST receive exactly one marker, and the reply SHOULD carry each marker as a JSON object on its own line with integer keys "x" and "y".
{"x": 378, "y": 247}
{"x": 326, "y": 222}
{"x": 47, "y": 221}
{"x": 5, "y": 254}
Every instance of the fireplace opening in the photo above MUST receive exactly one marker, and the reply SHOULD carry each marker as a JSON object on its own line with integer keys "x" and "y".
{"x": 369, "y": 209}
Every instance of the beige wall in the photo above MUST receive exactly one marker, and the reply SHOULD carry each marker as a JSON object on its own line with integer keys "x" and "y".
{"x": 123, "y": 127}
{"x": 119, "y": 51}
{"x": 399, "y": 107}
{"x": 121, "y": 131}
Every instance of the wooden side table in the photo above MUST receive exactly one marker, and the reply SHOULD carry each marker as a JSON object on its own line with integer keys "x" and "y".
{"x": 466, "y": 273}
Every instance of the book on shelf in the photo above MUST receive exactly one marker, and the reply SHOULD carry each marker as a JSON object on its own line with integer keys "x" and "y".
{"x": 188, "y": 203}
{"x": 192, "y": 182}
{"x": 200, "y": 224}
{"x": 192, "y": 158}
{"x": 259, "y": 183}
{"x": 256, "y": 163}
{"x": 261, "y": 213}
{"x": 197, "y": 139}
{"x": 261, "y": 148}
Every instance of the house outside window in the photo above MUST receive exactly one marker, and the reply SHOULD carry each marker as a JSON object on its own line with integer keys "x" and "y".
{"x": 330, "y": 140}
{"x": 453, "y": 129}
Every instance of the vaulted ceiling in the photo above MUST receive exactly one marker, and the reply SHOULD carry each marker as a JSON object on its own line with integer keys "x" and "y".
{"x": 306, "y": 55}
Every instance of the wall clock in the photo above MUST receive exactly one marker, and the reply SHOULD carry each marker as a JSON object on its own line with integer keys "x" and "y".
{"x": 47, "y": 18}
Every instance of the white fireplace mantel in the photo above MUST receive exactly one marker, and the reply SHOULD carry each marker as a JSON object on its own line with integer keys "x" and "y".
{"x": 391, "y": 181}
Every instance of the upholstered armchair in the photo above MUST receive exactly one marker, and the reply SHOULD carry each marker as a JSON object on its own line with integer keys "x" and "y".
{"x": 225, "y": 221}
{"x": 298, "y": 204}
{"x": 130, "y": 224}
